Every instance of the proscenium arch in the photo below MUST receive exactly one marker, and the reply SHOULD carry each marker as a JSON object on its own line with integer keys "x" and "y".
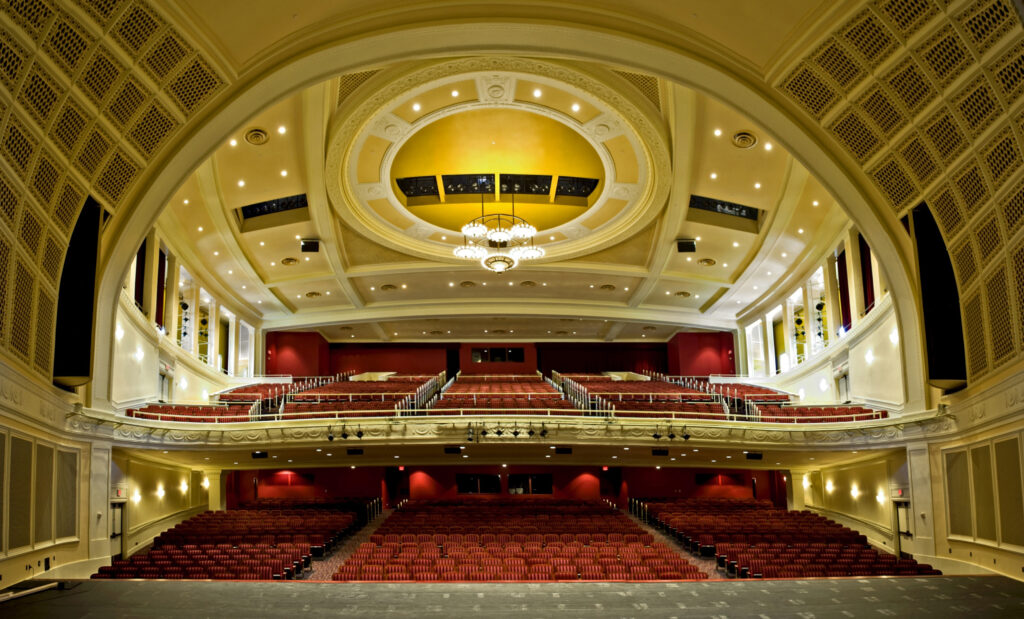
{"x": 684, "y": 61}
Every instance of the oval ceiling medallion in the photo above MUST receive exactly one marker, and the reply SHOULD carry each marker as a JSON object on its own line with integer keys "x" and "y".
{"x": 744, "y": 139}
{"x": 650, "y": 328}
{"x": 706, "y": 262}
{"x": 388, "y": 287}
{"x": 467, "y": 284}
{"x": 528, "y": 283}
{"x": 608, "y": 287}
{"x": 289, "y": 261}
{"x": 256, "y": 136}
{"x": 683, "y": 293}
{"x": 312, "y": 294}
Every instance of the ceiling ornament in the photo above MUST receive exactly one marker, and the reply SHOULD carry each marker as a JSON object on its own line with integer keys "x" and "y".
{"x": 498, "y": 240}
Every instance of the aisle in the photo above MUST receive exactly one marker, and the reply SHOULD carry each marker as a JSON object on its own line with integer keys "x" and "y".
{"x": 323, "y": 569}
{"x": 708, "y": 566}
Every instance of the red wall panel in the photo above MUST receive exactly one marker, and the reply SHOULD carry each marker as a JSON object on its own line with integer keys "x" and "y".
{"x": 528, "y": 366}
{"x": 569, "y": 482}
{"x": 701, "y": 354}
{"x": 601, "y": 357}
{"x": 299, "y": 353}
{"x": 401, "y": 358}
{"x": 337, "y": 482}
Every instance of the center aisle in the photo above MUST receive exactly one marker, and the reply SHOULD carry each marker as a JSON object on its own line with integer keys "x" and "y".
{"x": 708, "y": 566}
{"x": 322, "y": 570}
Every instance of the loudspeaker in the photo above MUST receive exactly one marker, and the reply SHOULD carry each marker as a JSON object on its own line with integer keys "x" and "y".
{"x": 354, "y": 451}
{"x": 686, "y": 246}
{"x": 659, "y": 452}
{"x": 310, "y": 245}
{"x": 754, "y": 455}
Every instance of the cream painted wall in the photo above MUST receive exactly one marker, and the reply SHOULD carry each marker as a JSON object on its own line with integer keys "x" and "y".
{"x": 871, "y": 478}
{"x": 876, "y": 365}
{"x": 134, "y": 373}
{"x": 808, "y": 384}
{"x": 146, "y": 517}
{"x": 195, "y": 383}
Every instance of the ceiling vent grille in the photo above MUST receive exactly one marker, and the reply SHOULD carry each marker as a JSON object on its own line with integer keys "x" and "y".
{"x": 977, "y": 105}
{"x": 880, "y": 109}
{"x": 908, "y": 82}
{"x": 646, "y": 84}
{"x": 833, "y": 59}
{"x": 870, "y": 38}
{"x": 985, "y": 22}
{"x": 918, "y": 159}
{"x": 906, "y": 16}
{"x": 347, "y": 84}
{"x": 855, "y": 135}
{"x": 1002, "y": 158}
{"x": 894, "y": 183}
{"x": 972, "y": 187}
{"x": 1013, "y": 213}
{"x": 945, "y": 135}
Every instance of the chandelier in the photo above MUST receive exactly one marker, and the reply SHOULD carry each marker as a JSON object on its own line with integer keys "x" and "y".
{"x": 498, "y": 240}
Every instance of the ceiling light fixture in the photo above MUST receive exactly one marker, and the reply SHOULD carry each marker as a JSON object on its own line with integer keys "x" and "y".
{"x": 455, "y": 93}
{"x": 767, "y": 145}
{"x": 233, "y": 142}
{"x": 536, "y": 93}
{"x": 575, "y": 107}
{"x": 498, "y": 240}
{"x": 415, "y": 107}
{"x": 718, "y": 133}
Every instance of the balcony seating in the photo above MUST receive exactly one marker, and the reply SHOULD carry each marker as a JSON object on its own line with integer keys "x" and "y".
{"x": 671, "y": 410}
{"x": 752, "y": 539}
{"x": 502, "y": 405}
{"x": 244, "y": 544}
{"x": 333, "y": 409}
{"x": 519, "y": 540}
{"x": 192, "y": 413}
{"x": 253, "y": 393}
{"x": 383, "y": 390}
{"x": 825, "y": 414}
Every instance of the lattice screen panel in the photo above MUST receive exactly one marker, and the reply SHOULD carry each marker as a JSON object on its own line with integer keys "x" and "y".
{"x": 646, "y": 84}
{"x": 348, "y": 83}
{"x": 937, "y": 115}
{"x": 90, "y": 92}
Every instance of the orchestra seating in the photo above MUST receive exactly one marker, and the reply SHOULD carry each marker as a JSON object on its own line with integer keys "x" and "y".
{"x": 512, "y": 540}
{"x": 752, "y": 539}
{"x": 193, "y": 413}
{"x": 242, "y": 544}
{"x": 808, "y": 414}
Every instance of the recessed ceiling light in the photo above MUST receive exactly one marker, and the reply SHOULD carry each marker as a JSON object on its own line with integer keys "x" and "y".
{"x": 757, "y": 185}
{"x": 328, "y": 293}
{"x": 451, "y": 284}
{"x": 511, "y": 284}
{"x": 815, "y": 203}
{"x": 725, "y": 265}
{"x": 696, "y": 296}
{"x": 230, "y": 272}
{"x": 769, "y": 272}
{"x": 318, "y": 450}
{"x": 591, "y": 285}
{"x": 767, "y": 145}
{"x": 243, "y": 286}
{"x": 233, "y": 142}
{"x": 372, "y": 288}
{"x": 395, "y": 333}
{"x": 755, "y": 287}
{"x": 185, "y": 201}
{"x": 403, "y": 286}
{"x": 273, "y": 264}
{"x": 216, "y": 253}
{"x": 626, "y": 288}
{"x": 455, "y": 93}
{"x": 784, "y": 254}
{"x": 415, "y": 107}
{"x": 241, "y": 183}
{"x": 713, "y": 176}
{"x": 667, "y": 292}
{"x": 735, "y": 244}
{"x": 284, "y": 172}
{"x": 697, "y": 239}
{"x": 542, "y": 284}
{"x": 689, "y": 259}
{"x": 298, "y": 296}
{"x": 307, "y": 258}
{"x": 799, "y": 230}
{"x": 261, "y": 243}
{"x": 259, "y": 303}
{"x": 739, "y": 302}
{"x": 536, "y": 93}
{"x": 718, "y": 133}
{"x": 551, "y": 238}
{"x": 444, "y": 238}
{"x": 575, "y": 107}
{"x": 200, "y": 228}
{"x": 281, "y": 129}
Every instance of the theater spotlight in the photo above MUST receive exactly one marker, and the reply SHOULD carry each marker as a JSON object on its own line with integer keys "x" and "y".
{"x": 469, "y": 433}
{"x": 498, "y": 432}
{"x": 543, "y": 432}
{"x": 530, "y": 432}
{"x": 344, "y": 434}
{"x": 483, "y": 432}
{"x": 515, "y": 432}
{"x": 671, "y": 434}
{"x": 686, "y": 435}
{"x": 330, "y": 435}
{"x": 655, "y": 436}
{"x": 359, "y": 433}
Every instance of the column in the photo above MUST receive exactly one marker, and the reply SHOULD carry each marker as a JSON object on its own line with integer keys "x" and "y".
{"x": 854, "y": 276}
{"x": 878, "y": 285}
{"x": 193, "y": 329}
{"x": 810, "y": 324}
{"x": 764, "y": 346}
{"x": 99, "y": 499}
{"x": 236, "y": 330}
{"x": 833, "y": 312}
{"x": 788, "y": 336}
{"x": 259, "y": 352}
{"x": 769, "y": 346}
{"x": 216, "y": 494}
{"x": 795, "y": 489}
{"x": 149, "y": 278}
{"x": 212, "y": 346}
{"x": 171, "y": 296}
{"x": 922, "y": 516}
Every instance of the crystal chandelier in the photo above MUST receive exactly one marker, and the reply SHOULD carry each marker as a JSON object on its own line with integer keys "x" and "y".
{"x": 499, "y": 240}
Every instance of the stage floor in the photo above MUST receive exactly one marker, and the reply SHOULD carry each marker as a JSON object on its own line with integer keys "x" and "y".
{"x": 938, "y": 596}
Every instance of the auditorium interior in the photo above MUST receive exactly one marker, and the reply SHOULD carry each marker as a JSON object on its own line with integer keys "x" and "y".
{"x": 306, "y": 296}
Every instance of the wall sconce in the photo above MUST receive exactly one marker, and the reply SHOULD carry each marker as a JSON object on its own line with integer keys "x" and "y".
{"x": 206, "y": 483}
{"x": 136, "y": 497}
{"x": 119, "y": 333}
{"x": 880, "y": 497}
{"x": 894, "y": 336}
{"x": 160, "y": 491}
{"x": 823, "y": 385}
{"x": 869, "y": 356}
{"x": 183, "y": 383}
{"x": 184, "y": 486}
{"x": 829, "y": 487}
{"x": 806, "y": 482}
{"x": 139, "y": 355}
{"x": 854, "y": 491}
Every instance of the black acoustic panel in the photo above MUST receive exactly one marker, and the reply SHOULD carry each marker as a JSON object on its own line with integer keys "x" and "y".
{"x": 418, "y": 186}
{"x": 73, "y": 339}
{"x": 564, "y": 451}
{"x": 451, "y": 451}
{"x": 754, "y": 455}
{"x": 310, "y": 245}
{"x": 354, "y": 451}
{"x": 659, "y": 452}
{"x": 277, "y": 205}
{"x": 575, "y": 186}
{"x": 725, "y": 208}
{"x": 686, "y": 246}
{"x": 530, "y": 184}
{"x": 468, "y": 183}
{"x": 257, "y": 455}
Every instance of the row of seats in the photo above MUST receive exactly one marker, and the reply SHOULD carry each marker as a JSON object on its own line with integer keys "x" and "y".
{"x": 357, "y": 408}
{"x": 500, "y": 378}
{"x": 192, "y": 413}
{"x": 253, "y": 393}
{"x": 748, "y": 392}
{"x": 646, "y": 388}
{"x": 214, "y": 561}
{"x": 512, "y": 540}
{"x": 534, "y": 389}
{"x": 676, "y": 410}
{"x": 353, "y": 390}
{"x": 502, "y": 402}
{"x": 752, "y": 538}
{"x": 808, "y": 414}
